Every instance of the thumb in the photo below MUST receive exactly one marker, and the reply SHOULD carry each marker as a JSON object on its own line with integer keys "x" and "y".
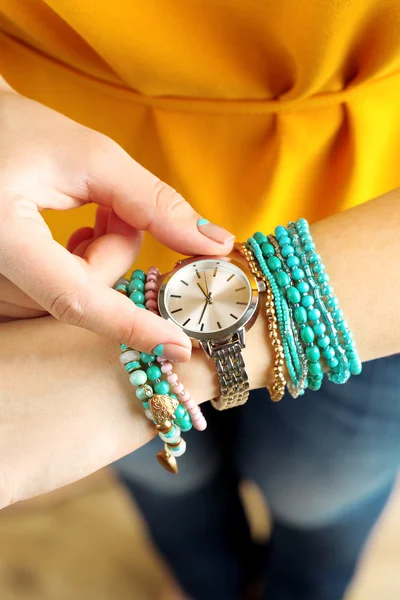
{"x": 114, "y": 180}
{"x": 62, "y": 284}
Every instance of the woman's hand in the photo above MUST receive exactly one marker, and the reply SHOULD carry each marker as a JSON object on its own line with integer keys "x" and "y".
{"x": 50, "y": 162}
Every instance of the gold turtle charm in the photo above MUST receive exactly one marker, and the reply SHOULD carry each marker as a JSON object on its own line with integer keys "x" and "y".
{"x": 167, "y": 461}
{"x": 162, "y": 408}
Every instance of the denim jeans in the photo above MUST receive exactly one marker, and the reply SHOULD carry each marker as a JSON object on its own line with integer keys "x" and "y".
{"x": 326, "y": 463}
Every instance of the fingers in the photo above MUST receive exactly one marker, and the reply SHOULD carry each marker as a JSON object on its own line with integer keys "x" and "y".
{"x": 64, "y": 285}
{"x": 80, "y": 235}
{"x": 140, "y": 199}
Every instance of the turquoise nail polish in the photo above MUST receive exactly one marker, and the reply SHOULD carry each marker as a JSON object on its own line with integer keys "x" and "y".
{"x": 202, "y": 221}
{"x": 158, "y": 350}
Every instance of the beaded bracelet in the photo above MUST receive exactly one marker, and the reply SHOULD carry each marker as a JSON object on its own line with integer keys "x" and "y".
{"x": 277, "y": 389}
{"x": 161, "y": 406}
{"x": 296, "y": 289}
{"x": 297, "y": 350}
{"x": 268, "y": 267}
{"x": 330, "y": 300}
{"x": 332, "y": 351}
{"x": 198, "y": 419}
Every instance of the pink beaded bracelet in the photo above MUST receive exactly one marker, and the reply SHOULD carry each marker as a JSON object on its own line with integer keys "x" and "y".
{"x": 198, "y": 419}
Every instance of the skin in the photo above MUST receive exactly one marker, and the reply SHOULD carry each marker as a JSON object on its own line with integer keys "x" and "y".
{"x": 66, "y": 405}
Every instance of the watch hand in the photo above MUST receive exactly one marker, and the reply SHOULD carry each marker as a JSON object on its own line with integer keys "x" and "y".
{"x": 202, "y": 289}
{"x": 204, "y": 309}
{"x": 208, "y": 293}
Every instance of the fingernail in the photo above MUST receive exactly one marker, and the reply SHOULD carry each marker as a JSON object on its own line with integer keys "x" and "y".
{"x": 172, "y": 352}
{"x": 214, "y": 232}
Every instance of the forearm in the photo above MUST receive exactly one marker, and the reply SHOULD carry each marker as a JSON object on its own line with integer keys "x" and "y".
{"x": 65, "y": 400}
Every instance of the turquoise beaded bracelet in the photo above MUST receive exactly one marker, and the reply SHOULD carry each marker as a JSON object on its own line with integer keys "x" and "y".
{"x": 331, "y": 301}
{"x": 333, "y": 353}
{"x": 160, "y": 405}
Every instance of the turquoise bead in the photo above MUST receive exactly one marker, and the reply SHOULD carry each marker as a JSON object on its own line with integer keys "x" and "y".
{"x": 300, "y": 315}
{"x": 145, "y": 405}
{"x": 332, "y": 362}
{"x": 323, "y": 342}
{"x": 293, "y": 261}
{"x": 347, "y": 335}
{"x": 144, "y": 392}
{"x": 332, "y": 302}
{"x": 318, "y": 267}
{"x": 355, "y": 368}
{"x": 305, "y": 238}
{"x": 327, "y": 289}
{"x": 343, "y": 326}
{"x": 153, "y": 372}
{"x": 314, "y": 314}
{"x": 297, "y": 274}
{"x": 259, "y": 237}
{"x": 137, "y": 297}
{"x": 313, "y": 353}
{"x": 162, "y": 387}
{"x": 314, "y": 385}
{"x": 293, "y": 295}
{"x": 307, "y": 335}
{"x": 302, "y": 222}
{"x": 125, "y": 347}
{"x": 138, "y": 377}
{"x": 147, "y": 358}
{"x": 307, "y": 301}
{"x": 310, "y": 246}
{"x": 303, "y": 287}
{"x": 287, "y": 250}
{"x": 337, "y": 314}
{"x": 283, "y": 240}
{"x": 328, "y": 353}
{"x": 180, "y": 411}
{"x": 274, "y": 263}
{"x": 132, "y": 365}
{"x": 267, "y": 249}
{"x": 121, "y": 288}
{"x": 280, "y": 231}
{"x": 319, "y": 328}
{"x": 282, "y": 278}
{"x": 174, "y": 396}
{"x": 136, "y": 285}
{"x": 185, "y": 423}
{"x": 322, "y": 277}
{"x": 315, "y": 368}
{"x": 315, "y": 258}
{"x": 138, "y": 274}
{"x": 171, "y": 432}
{"x": 140, "y": 305}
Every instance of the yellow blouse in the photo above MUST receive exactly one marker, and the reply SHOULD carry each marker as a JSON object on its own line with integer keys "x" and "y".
{"x": 257, "y": 111}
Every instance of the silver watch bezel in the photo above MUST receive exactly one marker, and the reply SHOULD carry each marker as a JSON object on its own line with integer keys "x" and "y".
{"x": 245, "y": 321}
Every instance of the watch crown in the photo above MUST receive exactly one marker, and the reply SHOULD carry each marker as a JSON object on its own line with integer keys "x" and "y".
{"x": 261, "y": 285}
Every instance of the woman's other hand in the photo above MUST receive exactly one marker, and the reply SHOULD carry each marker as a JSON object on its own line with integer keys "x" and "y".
{"x": 48, "y": 161}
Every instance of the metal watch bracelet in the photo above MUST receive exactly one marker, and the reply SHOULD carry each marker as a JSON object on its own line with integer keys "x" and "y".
{"x": 232, "y": 376}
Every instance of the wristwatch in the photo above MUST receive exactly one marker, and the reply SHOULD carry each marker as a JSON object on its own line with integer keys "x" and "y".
{"x": 215, "y": 301}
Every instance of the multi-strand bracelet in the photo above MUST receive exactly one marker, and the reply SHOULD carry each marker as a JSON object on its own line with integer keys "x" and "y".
{"x": 314, "y": 335}
{"x": 173, "y": 412}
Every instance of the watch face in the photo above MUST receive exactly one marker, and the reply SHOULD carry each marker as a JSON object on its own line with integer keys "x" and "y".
{"x": 207, "y": 296}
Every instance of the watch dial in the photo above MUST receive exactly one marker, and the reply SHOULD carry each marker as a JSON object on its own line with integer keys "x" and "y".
{"x": 207, "y": 296}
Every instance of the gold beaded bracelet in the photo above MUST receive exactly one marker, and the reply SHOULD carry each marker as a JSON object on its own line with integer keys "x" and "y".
{"x": 277, "y": 389}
